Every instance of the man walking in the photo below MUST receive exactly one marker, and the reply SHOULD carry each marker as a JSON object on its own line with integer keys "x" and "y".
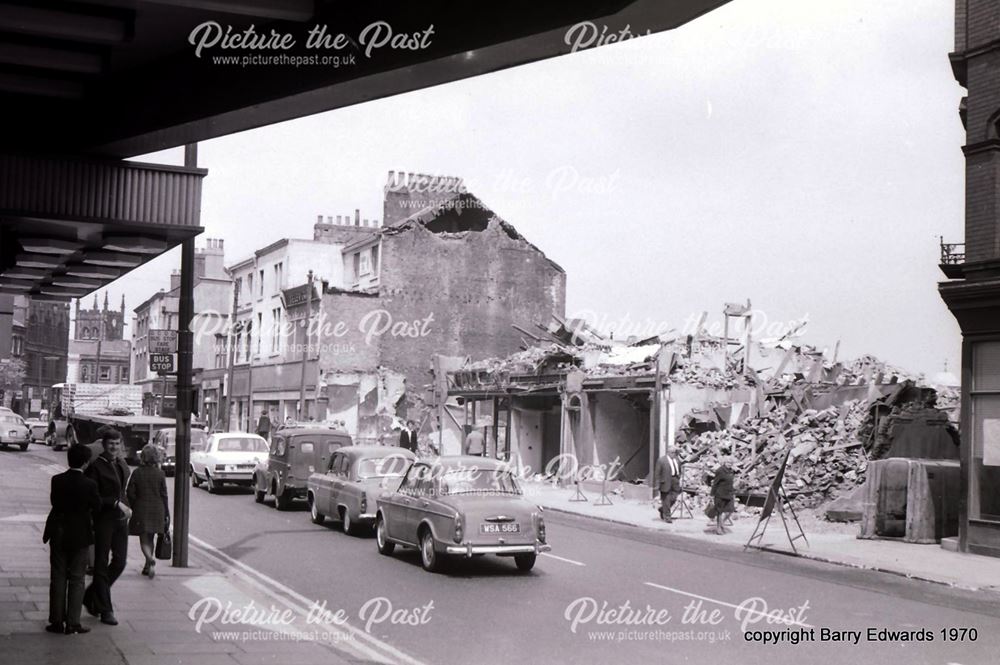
{"x": 264, "y": 426}
{"x": 667, "y": 478}
{"x": 111, "y": 473}
{"x": 69, "y": 530}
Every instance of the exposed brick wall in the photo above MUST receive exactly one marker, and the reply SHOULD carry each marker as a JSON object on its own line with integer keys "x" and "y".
{"x": 349, "y": 351}
{"x": 982, "y": 218}
{"x": 409, "y": 193}
{"x": 473, "y": 285}
{"x": 983, "y": 22}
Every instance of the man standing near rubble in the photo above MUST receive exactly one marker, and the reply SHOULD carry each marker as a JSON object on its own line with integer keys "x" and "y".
{"x": 475, "y": 443}
{"x": 667, "y": 478}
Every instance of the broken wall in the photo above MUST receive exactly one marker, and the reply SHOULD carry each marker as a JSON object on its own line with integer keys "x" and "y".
{"x": 459, "y": 293}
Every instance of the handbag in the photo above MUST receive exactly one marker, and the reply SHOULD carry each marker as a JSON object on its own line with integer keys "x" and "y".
{"x": 710, "y": 511}
{"x": 164, "y": 546}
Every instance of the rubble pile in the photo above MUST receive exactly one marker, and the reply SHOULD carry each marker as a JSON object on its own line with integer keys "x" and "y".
{"x": 826, "y": 458}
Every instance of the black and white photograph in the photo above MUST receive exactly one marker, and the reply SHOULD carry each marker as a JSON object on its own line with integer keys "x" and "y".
{"x": 480, "y": 333}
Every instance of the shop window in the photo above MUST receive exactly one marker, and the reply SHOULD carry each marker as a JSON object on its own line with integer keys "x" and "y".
{"x": 984, "y": 486}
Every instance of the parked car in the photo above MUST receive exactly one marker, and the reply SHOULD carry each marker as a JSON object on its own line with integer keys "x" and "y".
{"x": 166, "y": 438}
{"x": 295, "y": 453}
{"x": 460, "y": 506}
{"x": 38, "y": 429}
{"x": 227, "y": 458}
{"x": 14, "y": 431}
{"x": 349, "y": 487}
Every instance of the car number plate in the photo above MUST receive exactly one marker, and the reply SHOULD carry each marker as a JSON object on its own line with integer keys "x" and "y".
{"x": 503, "y": 527}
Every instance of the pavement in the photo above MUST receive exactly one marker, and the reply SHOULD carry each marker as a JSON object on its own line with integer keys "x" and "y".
{"x": 825, "y": 541}
{"x": 182, "y": 616}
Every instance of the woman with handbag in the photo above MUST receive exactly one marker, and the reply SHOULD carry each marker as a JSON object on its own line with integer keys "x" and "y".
{"x": 723, "y": 493}
{"x": 147, "y": 495}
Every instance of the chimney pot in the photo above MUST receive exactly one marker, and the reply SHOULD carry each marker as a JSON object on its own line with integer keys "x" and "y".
{"x": 357, "y": 217}
{"x": 319, "y": 219}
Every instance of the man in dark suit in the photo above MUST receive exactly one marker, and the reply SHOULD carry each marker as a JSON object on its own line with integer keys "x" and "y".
{"x": 408, "y": 437}
{"x": 667, "y": 478}
{"x": 69, "y": 530}
{"x": 111, "y": 473}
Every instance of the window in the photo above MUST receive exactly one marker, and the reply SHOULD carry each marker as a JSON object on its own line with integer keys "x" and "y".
{"x": 105, "y": 373}
{"x": 984, "y": 486}
{"x": 375, "y": 261}
{"x": 260, "y": 284}
{"x": 16, "y": 345}
{"x": 276, "y": 332}
{"x": 357, "y": 266}
{"x": 239, "y": 345}
{"x": 278, "y": 275}
{"x": 249, "y": 327}
{"x": 364, "y": 263}
{"x": 84, "y": 373}
{"x": 260, "y": 331}
{"x": 220, "y": 351}
{"x": 249, "y": 286}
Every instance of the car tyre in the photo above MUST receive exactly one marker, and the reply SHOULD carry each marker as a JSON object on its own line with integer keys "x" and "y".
{"x": 317, "y": 517}
{"x": 24, "y": 447}
{"x": 429, "y": 559}
{"x": 195, "y": 480}
{"x": 525, "y": 562}
{"x": 349, "y": 526}
{"x": 283, "y": 501}
{"x": 258, "y": 495}
{"x": 211, "y": 485}
{"x": 385, "y": 546}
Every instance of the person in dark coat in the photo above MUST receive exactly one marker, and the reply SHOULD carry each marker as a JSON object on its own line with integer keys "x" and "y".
{"x": 147, "y": 495}
{"x": 408, "y": 437}
{"x": 667, "y": 478}
{"x": 69, "y": 530}
{"x": 723, "y": 493}
{"x": 111, "y": 473}
{"x": 264, "y": 426}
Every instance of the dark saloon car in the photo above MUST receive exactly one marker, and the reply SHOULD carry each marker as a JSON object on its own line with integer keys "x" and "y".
{"x": 294, "y": 455}
{"x": 347, "y": 490}
{"x": 166, "y": 439}
{"x": 460, "y": 506}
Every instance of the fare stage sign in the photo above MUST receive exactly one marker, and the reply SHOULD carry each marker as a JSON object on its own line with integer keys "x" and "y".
{"x": 161, "y": 363}
{"x": 161, "y": 341}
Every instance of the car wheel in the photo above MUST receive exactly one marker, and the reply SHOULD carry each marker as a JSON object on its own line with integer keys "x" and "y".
{"x": 210, "y": 485}
{"x": 525, "y": 562}
{"x": 195, "y": 481}
{"x": 283, "y": 501}
{"x": 385, "y": 546}
{"x": 24, "y": 447}
{"x": 429, "y": 559}
{"x": 317, "y": 517}
{"x": 258, "y": 495}
{"x": 350, "y": 526}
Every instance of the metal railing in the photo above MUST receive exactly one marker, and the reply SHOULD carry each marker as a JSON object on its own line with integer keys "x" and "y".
{"x": 952, "y": 253}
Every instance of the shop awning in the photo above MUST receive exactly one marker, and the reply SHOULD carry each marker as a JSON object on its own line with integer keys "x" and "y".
{"x": 69, "y": 226}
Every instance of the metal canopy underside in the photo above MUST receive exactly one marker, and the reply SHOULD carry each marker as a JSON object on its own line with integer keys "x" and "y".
{"x": 70, "y": 226}
{"x": 119, "y": 77}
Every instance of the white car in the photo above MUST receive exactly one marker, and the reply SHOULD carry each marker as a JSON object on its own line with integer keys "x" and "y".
{"x": 227, "y": 458}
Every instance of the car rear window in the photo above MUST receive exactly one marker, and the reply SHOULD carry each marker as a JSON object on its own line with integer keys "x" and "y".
{"x": 10, "y": 420}
{"x": 242, "y": 445}
{"x": 381, "y": 467}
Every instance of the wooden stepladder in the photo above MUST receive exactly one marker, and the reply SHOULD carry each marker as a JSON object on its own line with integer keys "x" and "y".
{"x": 777, "y": 498}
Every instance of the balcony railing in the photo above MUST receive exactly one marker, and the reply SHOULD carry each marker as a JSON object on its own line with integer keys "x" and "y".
{"x": 952, "y": 253}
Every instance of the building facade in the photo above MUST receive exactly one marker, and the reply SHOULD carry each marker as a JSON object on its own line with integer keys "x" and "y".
{"x": 99, "y": 352}
{"x": 212, "y": 297}
{"x": 973, "y": 292}
{"x": 43, "y": 347}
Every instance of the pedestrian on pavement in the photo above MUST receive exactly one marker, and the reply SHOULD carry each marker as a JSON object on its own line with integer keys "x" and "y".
{"x": 667, "y": 478}
{"x": 111, "y": 474}
{"x": 475, "y": 443}
{"x": 69, "y": 530}
{"x": 723, "y": 493}
{"x": 264, "y": 426}
{"x": 408, "y": 437}
{"x": 147, "y": 495}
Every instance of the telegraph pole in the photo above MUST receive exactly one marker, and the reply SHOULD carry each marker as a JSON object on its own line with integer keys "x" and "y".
{"x": 305, "y": 347}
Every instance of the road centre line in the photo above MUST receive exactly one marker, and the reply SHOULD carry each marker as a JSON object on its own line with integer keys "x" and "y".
{"x": 559, "y": 558}
{"x": 303, "y": 605}
{"x": 724, "y": 603}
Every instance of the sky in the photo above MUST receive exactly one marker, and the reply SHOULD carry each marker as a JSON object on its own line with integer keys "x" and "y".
{"x": 802, "y": 155}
